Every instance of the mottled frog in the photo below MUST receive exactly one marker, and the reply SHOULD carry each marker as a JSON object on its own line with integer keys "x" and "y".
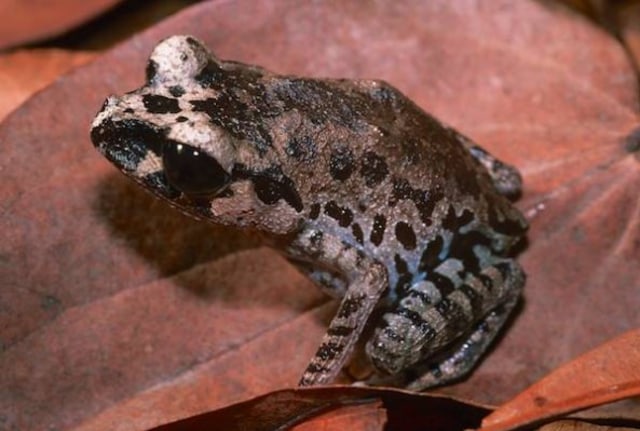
{"x": 403, "y": 218}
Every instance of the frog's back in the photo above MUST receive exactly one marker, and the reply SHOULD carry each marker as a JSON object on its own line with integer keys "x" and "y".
{"x": 388, "y": 178}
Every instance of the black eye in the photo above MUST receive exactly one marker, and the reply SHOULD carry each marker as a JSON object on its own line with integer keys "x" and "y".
{"x": 193, "y": 172}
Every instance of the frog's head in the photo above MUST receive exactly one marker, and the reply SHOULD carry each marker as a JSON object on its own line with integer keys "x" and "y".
{"x": 183, "y": 138}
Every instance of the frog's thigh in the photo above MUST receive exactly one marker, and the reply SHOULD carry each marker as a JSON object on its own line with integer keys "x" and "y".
{"x": 505, "y": 178}
{"x": 505, "y": 279}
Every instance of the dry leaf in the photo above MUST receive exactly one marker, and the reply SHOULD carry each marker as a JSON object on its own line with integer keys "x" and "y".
{"x": 22, "y": 73}
{"x": 119, "y": 313}
{"x": 568, "y": 425}
{"x": 345, "y": 407}
{"x": 27, "y": 21}
{"x": 608, "y": 373}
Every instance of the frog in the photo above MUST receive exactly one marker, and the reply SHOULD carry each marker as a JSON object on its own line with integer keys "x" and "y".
{"x": 403, "y": 219}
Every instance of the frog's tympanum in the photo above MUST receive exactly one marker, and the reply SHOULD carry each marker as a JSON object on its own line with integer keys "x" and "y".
{"x": 381, "y": 205}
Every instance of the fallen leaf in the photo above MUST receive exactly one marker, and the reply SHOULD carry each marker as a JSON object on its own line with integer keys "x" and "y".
{"x": 24, "y": 72}
{"x": 345, "y": 407}
{"x": 27, "y": 21}
{"x": 118, "y": 313}
{"x": 613, "y": 374}
{"x": 572, "y": 425}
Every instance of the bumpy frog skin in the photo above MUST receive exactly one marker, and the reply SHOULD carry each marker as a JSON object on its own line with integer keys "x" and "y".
{"x": 378, "y": 202}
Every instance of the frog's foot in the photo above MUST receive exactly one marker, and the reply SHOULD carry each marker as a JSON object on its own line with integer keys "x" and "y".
{"x": 462, "y": 360}
{"x": 433, "y": 339}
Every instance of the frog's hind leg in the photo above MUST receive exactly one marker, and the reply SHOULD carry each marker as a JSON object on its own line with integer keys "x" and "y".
{"x": 505, "y": 178}
{"x": 462, "y": 360}
{"x": 431, "y": 334}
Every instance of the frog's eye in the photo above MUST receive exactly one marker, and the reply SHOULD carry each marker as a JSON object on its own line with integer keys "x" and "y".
{"x": 192, "y": 171}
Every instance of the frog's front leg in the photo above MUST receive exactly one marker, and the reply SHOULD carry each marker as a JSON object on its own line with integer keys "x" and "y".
{"x": 366, "y": 282}
{"x": 328, "y": 281}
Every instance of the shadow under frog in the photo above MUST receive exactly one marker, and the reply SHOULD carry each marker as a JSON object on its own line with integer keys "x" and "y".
{"x": 175, "y": 243}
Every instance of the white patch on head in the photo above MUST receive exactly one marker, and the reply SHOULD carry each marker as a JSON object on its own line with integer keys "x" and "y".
{"x": 151, "y": 164}
{"x": 177, "y": 59}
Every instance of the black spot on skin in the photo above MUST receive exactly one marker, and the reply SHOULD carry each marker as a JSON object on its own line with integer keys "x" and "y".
{"x": 240, "y": 120}
{"x": 403, "y": 284}
{"x": 453, "y": 223}
{"x": 176, "y": 91}
{"x": 157, "y": 104}
{"x": 151, "y": 70}
{"x": 210, "y": 75}
{"x": 424, "y": 201}
{"x": 507, "y": 226}
{"x": 504, "y": 268}
{"x": 328, "y": 351}
{"x": 456, "y": 318}
{"x": 339, "y": 331}
{"x": 271, "y": 185}
{"x": 316, "y": 239}
{"x": 466, "y": 217}
{"x": 351, "y": 304}
{"x": 430, "y": 256}
{"x": 377, "y": 231}
{"x": 302, "y": 148}
{"x": 181, "y": 119}
{"x": 374, "y": 169}
{"x": 344, "y": 216}
{"x": 474, "y": 298}
{"x": 401, "y": 265}
{"x": 442, "y": 283}
{"x": 392, "y": 334}
{"x": 314, "y": 368}
{"x": 417, "y": 321}
{"x": 128, "y": 141}
{"x": 270, "y": 192}
{"x": 406, "y": 235}
{"x": 461, "y": 248}
{"x": 314, "y": 211}
{"x": 423, "y": 296}
{"x": 129, "y": 111}
{"x": 356, "y": 230}
{"x": 341, "y": 163}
